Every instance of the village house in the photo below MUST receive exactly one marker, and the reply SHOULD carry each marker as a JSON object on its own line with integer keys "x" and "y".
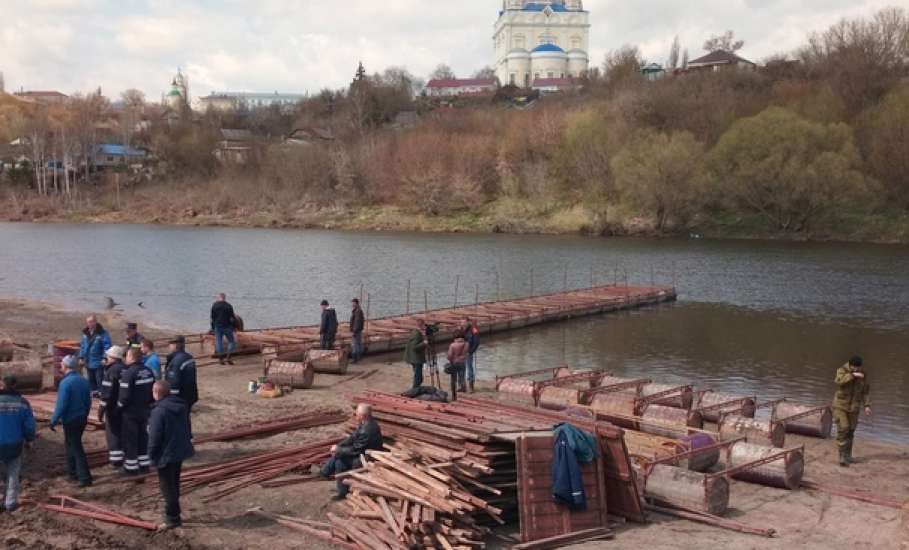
{"x": 110, "y": 155}
{"x": 458, "y": 87}
{"x": 309, "y": 135}
{"x": 554, "y": 85}
{"x": 44, "y": 97}
{"x": 235, "y": 146}
{"x": 720, "y": 60}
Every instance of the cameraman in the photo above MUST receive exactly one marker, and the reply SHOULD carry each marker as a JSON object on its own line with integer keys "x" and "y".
{"x": 415, "y": 351}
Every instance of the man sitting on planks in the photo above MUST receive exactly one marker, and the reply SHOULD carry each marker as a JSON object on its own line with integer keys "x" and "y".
{"x": 346, "y": 454}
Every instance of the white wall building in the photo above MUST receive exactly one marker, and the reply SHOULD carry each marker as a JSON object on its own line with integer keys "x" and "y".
{"x": 541, "y": 39}
{"x": 224, "y": 101}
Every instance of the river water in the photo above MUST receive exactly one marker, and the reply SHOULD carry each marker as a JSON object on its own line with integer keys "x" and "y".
{"x": 767, "y": 318}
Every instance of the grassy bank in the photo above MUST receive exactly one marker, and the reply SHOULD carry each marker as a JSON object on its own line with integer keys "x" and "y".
{"x": 238, "y": 204}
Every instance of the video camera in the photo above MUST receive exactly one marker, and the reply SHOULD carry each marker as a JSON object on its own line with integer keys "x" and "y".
{"x": 431, "y": 331}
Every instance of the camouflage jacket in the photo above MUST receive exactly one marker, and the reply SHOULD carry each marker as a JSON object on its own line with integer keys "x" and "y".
{"x": 852, "y": 394}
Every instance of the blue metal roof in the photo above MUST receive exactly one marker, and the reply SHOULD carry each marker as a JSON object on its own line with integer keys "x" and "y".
{"x": 115, "y": 150}
{"x": 534, "y": 6}
{"x": 547, "y": 48}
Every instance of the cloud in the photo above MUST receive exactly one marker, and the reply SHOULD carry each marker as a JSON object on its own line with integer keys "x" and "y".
{"x": 296, "y": 46}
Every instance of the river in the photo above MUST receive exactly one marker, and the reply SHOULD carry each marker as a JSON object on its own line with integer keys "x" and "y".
{"x": 773, "y": 319}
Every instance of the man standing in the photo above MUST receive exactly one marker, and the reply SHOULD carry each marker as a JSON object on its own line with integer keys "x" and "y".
{"x": 133, "y": 338}
{"x": 169, "y": 444}
{"x": 852, "y": 395}
{"x": 110, "y": 394}
{"x": 135, "y": 400}
{"x": 74, "y": 401}
{"x": 346, "y": 454}
{"x": 357, "y": 323}
{"x": 17, "y": 429}
{"x": 150, "y": 358}
{"x": 457, "y": 358}
{"x": 329, "y": 326}
{"x": 223, "y": 320}
{"x": 181, "y": 375}
{"x": 95, "y": 342}
{"x": 472, "y": 335}
{"x": 415, "y": 351}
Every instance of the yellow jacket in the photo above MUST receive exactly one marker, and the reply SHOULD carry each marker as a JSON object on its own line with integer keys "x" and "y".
{"x": 852, "y": 394}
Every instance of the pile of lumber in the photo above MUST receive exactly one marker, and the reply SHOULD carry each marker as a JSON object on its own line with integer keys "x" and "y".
{"x": 402, "y": 499}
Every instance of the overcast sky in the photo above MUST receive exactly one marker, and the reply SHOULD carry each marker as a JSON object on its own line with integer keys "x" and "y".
{"x": 305, "y": 45}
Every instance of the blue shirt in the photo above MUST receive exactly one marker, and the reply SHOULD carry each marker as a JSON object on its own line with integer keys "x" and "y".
{"x": 154, "y": 364}
{"x": 74, "y": 399}
{"x": 17, "y": 424}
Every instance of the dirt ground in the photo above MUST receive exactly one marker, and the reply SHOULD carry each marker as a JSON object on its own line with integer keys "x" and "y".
{"x": 802, "y": 519}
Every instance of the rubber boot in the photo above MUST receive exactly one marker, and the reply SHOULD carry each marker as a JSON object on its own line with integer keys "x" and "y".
{"x": 849, "y": 458}
{"x": 844, "y": 457}
{"x": 470, "y": 385}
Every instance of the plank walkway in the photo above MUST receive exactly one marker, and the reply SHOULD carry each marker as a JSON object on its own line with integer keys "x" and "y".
{"x": 390, "y": 333}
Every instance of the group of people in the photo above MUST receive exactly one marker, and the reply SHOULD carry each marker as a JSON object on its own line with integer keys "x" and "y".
{"x": 462, "y": 353}
{"x": 328, "y": 328}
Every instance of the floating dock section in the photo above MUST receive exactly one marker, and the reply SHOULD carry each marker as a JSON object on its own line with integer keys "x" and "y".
{"x": 391, "y": 333}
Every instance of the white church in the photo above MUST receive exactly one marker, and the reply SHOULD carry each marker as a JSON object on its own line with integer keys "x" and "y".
{"x": 539, "y": 40}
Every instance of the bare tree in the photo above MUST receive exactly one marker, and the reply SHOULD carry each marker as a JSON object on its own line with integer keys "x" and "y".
{"x": 685, "y": 60}
{"x": 623, "y": 66}
{"x": 723, "y": 42}
{"x": 442, "y": 72}
{"x": 486, "y": 72}
{"x": 674, "y": 51}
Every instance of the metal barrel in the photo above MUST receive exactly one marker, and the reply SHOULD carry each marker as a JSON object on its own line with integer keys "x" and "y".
{"x": 331, "y": 361}
{"x": 759, "y": 432}
{"x": 559, "y": 399}
{"x": 701, "y": 462}
{"x": 743, "y": 405}
{"x": 819, "y": 424}
{"x": 669, "y": 421}
{"x": 28, "y": 372}
{"x": 682, "y": 400}
{"x": 786, "y": 472}
{"x": 296, "y": 375}
{"x": 519, "y": 386}
{"x": 674, "y": 486}
{"x": 618, "y": 402}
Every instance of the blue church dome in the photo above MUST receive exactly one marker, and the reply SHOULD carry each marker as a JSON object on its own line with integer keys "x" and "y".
{"x": 547, "y": 48}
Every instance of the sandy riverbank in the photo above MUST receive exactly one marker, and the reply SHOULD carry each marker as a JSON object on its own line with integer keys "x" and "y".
{"x": 803, "y": 519}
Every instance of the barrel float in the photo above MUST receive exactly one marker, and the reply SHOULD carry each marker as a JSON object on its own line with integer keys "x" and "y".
{"x": 742, "y": 405}
{"x": 760, "y": 432}
{"x": 669, "y": 421}
{"x": 613, "y": 380}
{"x": 294, "y": 374}
{"x": 819, "y": 424}
{"x": 6, "y": 349}
{"x": 563, "y": 372}
{"x": 328, "y": 361}
{"x": 519, "y": 386}
{"x": 680, "y": 400}
{"x": 28, "y": 372}
{"x": 703, "y": 461}
{"x": 672, "y": 486}
{"x": 558, "y": 399}
{"x": 785, "y": 472}
{"x": 617, "y": 402}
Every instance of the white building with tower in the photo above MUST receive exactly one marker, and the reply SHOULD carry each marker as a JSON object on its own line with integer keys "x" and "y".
{"x": 541, "y": 39}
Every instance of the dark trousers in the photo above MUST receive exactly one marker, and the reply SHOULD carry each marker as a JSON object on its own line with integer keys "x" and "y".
{"x": 457, "y": 378}
{"x": 338, "y": 465}
{"x": 76, "y": 461}
{"x": 169, "y": 481}
{"x": 95, "y": 377}
{"x": 327, "y": 341}
{"x": 417, "y": 374}
{"x": 113, "y": 431}
{"x": 135, "y": 444}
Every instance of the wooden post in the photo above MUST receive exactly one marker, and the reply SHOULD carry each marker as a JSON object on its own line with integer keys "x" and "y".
{"x": 565, "y": 280}
{"x": 366, "y": 324}
{"x": 615, "y": 275}
{"x": 591, "y": 276}
{"x": 457, "y": 284}
{"x": 652, "y": 278}
{"x": 425, "y": 300}
{"x": 361, "y": 292}
{"x": 531, "y": 281}
{"x": 408, "y": 296}
{"x": 476, "y": 300}
{"x": 498, "y": 297}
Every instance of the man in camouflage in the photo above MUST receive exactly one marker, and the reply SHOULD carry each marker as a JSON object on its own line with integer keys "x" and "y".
{"x": 850, "y": 398}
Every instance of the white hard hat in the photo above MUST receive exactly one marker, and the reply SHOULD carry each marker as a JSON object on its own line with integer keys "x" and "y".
{"x": 115, "y": 352}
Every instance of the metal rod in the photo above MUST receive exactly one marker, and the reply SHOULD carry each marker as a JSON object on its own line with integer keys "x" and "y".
{"x": 457, "y": 284}
{"x": 408, "y": 296}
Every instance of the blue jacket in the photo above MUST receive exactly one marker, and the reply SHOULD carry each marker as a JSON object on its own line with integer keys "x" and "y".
{"x": 473, "y": 341}
{"x": 567, "y": 481}
{"x": 154, "y": 364}
{"x": 584, "y": 445}
{"x": 74, "y": 399}
{"x": 17, "y": 424}
{"x": 168, "y": 432}
{"x": 93, "y": 346}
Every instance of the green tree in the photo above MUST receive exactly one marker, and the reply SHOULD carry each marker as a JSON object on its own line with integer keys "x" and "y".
{"x": 785, "y": 168}
{"x": 659, "y": 172}
{"x": 887, "y": 139}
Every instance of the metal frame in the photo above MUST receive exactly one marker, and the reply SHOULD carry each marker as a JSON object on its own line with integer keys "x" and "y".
{"x": 586, "y": 395}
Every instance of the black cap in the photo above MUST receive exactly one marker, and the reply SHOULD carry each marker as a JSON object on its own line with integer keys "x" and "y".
{"x": 324, "y": 302}
{"x": 856, "y": 361}
{"x": 179, "y": 339}
{"x": 355, "y": 301}
{"x": 132, "y": 326}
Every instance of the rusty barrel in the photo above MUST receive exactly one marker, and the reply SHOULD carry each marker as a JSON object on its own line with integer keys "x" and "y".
{"x": 669, "y": 421}
{"x": 558, "y": 399}
{"x": 294, "y": 374}
{"x": 680, "y": 400}
{"x": 562, "y": 372}
{"x": 819, "y": 424}
{"x": 742, "y": 405}
{"x": 28, "y": 372}
{"x": 759, "y": 432}
{"x": 617, "y": 402}
{"x": 785, "y": 472}
{"x": 669, "y": 485}
{"x": 6, "y": 350}
{"x": 62, "y": 348}
{"x": 613, "y": 380}
{"x": 703, "y": 461}
{"x": 329, "y": 361}
{"x": 519, "y": 386}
